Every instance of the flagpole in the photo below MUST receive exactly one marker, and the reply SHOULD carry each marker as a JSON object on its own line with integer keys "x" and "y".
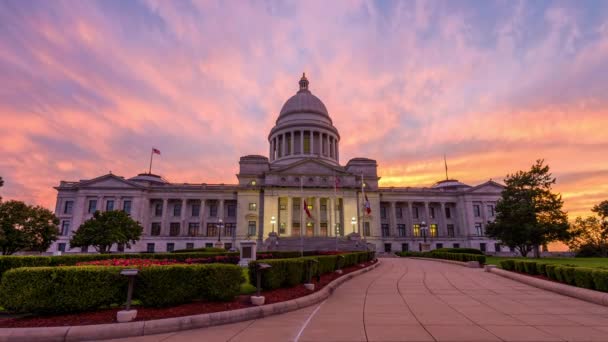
{"x": 365, "y": 209}
{"x": 446, "y": 167}
{"x": 151, "y": 154}
{"x": 302, "y": 225}
{"x": 334, "y": 208}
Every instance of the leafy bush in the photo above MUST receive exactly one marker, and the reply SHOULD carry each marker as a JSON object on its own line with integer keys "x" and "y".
{"x": 508, "y": 265}
{"x": 460, "y": 250}
{"x": 519, "y": 266}
{"x": 600, "y": 280}
{"x": 550, "y": 271}
{"x": 178, "y": 284}
{"x": 443, "y": 255}
{"x": 541, "y": 267}
{"x": 583, "y": 277}
{"x": 201, "y": 250}
{"x": 530, "y": 267}
{"x": 568, "y": 274}
{"x": 61, "y": 289}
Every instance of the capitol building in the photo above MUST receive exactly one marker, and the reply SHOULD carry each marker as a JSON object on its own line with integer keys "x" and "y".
{"x": 345, "y": 206}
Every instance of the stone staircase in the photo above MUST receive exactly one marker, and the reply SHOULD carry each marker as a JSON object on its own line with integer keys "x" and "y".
{"x": 316, "y": 244}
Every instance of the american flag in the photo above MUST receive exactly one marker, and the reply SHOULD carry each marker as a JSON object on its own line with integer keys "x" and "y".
{"x": 155, "y": 151}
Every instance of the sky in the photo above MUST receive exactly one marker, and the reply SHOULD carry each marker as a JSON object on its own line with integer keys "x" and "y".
{"x": 88, "y": 87}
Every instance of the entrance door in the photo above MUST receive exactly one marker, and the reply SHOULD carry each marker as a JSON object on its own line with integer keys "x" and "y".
{"x": 387, "y": 247}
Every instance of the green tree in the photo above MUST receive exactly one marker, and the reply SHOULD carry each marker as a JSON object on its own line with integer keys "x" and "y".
{"x": 529, "y": 214}
{"x": 588, "y": 235}
{"x": 105, "y": 229}
{"x": 25, "y": 227}
{"x": 601, "y": 210}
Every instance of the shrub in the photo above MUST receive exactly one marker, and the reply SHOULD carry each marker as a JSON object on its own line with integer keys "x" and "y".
{"x": 178, "y": 284}
{"x": 550, "y": 271}
{"x": 202, "y": 250}
{"x": 508, "y": 265}
{"x": 568, "y": 275}
{"x": 583, "y": 277}
{"x": 61, "y": 289}
{"x": 530, "y": 267}
{"x": 600, "y": 280}
{"x": 559, "y": 276}
{"x": 541, "y": 268}
{"x": 519, "y": 266}
{"x": 460, "y": 250}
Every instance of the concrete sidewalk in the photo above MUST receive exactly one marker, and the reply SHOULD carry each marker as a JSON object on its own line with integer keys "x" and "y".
{"x": 416, "y": 300}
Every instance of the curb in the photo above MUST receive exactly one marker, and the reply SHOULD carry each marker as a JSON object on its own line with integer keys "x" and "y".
{"x": 453, "y": 262}
{"x": 595, "y": 297}
{"x": 165, "y": 325}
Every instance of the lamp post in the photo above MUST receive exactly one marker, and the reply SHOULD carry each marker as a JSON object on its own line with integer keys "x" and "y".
{"x": 220, "y": 225}
{"x": 128, "y": 315}
{"x": 423, "y": 227}
{"x": 354, "y": 222}
{"x": 273, "y": 220}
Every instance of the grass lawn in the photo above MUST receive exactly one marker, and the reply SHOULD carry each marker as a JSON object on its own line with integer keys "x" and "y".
{"x": 246, "y": 288}
{"x": 585, "y": 262}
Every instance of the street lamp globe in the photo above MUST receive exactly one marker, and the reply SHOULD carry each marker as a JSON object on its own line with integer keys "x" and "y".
{"x": 273, "y": 220}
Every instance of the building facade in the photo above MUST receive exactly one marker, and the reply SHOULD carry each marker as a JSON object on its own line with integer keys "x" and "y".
{"x": 303, "y": 168}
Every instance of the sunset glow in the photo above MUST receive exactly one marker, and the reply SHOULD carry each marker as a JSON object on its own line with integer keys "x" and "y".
{"x": 89, "y": 87}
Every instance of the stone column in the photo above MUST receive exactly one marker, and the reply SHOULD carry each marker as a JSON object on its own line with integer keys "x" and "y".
{"x": 443, "y": 228}
{"x": 337, "y": 151}
{"x": 164, "y": 229}
{"x": 270, "y": 148}
{"x": 284, "y": 144}
{"x": 289, "y": 216}
{"x": 392, "y": 228}
{"x": 184, "y": 228}
{"x": 318, "y": 216}
{"x": 203, "y": 219}
{"x": 293, "y": 142}
{"x": 409, "y": 220}
{"x": 312, "y": 142}
{"x": 99, "y": 203}
{"x": 301, "y": 142}
{"x": 331, "y": 229}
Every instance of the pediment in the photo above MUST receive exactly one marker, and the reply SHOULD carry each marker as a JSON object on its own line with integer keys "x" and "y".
{"x": 108, "y": 181}
{"x": 310, "y": 167}
{"x": 488, "y": 187}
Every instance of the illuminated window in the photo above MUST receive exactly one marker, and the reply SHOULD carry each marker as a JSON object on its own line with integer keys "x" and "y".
{"x": 307, "y": 142}
{"x": 433, "y": 230}
{"x": 416, "y": 230}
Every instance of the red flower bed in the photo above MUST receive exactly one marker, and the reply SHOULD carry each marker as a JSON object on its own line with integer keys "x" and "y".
{"x": 143, "y": 314}
{"x": 139, "y": 263}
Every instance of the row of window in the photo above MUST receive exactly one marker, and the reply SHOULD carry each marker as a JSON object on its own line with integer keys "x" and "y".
{"x": 415, "y": 212}
{"x": 405, "y": 247}
{"x": 68, "y": 206}
{"x": 196, "y": 210}
{"x": 490, "y": 210}
{"x": 150, "y": 247}
{"x": 193, "y": 229}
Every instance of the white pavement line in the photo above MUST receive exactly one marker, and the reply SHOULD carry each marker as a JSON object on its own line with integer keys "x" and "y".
{"x": 312, "y": 314}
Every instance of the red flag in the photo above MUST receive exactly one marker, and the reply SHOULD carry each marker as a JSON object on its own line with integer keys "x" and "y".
{"x": 306, "y": 210}
{"x": 368, "y": 207}
{"x": 155, "y": 151}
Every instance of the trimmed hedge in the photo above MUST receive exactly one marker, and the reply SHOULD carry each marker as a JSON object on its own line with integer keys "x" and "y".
{"x": 448, "y": 256}
{"x": 72, "y": 289}
{"x": 10, "y": 261}
{"x": 460, "y": 250}
{"x": 201, "y": 250}
{"x": 294, "y": 271}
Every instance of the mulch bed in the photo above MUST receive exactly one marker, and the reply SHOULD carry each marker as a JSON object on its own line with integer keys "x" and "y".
{"x": 195, "y": 308}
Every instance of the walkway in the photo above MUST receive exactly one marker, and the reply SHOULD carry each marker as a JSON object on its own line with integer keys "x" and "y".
{"x": 415, "y": 300}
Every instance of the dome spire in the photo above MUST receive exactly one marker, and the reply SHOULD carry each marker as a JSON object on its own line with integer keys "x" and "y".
{"x": 303, "y": 82}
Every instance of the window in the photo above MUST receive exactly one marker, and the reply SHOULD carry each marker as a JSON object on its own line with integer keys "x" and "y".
{"x": 231, "y": 210}
{"x": 92, "y": 206}
{"x": 65, "y": 227}
{"x": 251, "y": 228}
{"x": 450, "y": 230}
{"x": 61, "y": 247}
{"x": 282, "y": 229}
{"x": 383, "y": 212}
{"x": 416, "y": 213}
{"x": 174, "y": 229}
{"x": 496, "y": 247}
{"x": 398, "y": 212}
{"x": 67, "y": 209}
{"x": 456, "y": 245}
{"x": 491, "y": 210}
{"x": 150, "y": 248}
{"x": 307, "y": 142}
{"x": 110, "y": 205}
{"x": 482, "y": 247}
{"x": 401, "y": 230}
{"x": 193, "y": 229}
{"x": 387, "y": 247}
{"x": 170, "y": 246}
{"x": 189, "y": 245}
{"x": 253, "y": 206}
{"x": 155, "y": 229}
{"x": 84, "y": 249}
{"x": 177, "y": 209}
{"x": 416, "y": 230}
{"x": 229, "y": 229}
{"x": 432, "y": 212}
{"x": 158, "y": 209}
{"x": 196, "y": 210}
{"x": 211, "y": 229}
{"x": 213, "y": 210}
{"x": 126, "y": 206}
{"x": 405, "y": 247}
{"x": 476, "y": 210}
{"x": 478, "y": 229}
{"x": 385, "y": 230}
{"x": 208, "y": 245}
{"x": 438, "y": 245}
{"x": 120, "y": 247}
{"x": 448, "y": 212}
{"x": 433, "y": 230}
{"x": 366, "y": 229}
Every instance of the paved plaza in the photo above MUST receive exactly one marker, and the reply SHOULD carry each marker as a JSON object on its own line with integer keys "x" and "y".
{"x": 416, "y": 300}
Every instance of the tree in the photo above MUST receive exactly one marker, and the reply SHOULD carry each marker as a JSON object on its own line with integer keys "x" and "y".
{"x": 588, "y": 236}
{"x": 601, "y": 210}
{"x": 25, "y": 227}
{"x": 105, "y": 229}
{"x": 529, "y": 214}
